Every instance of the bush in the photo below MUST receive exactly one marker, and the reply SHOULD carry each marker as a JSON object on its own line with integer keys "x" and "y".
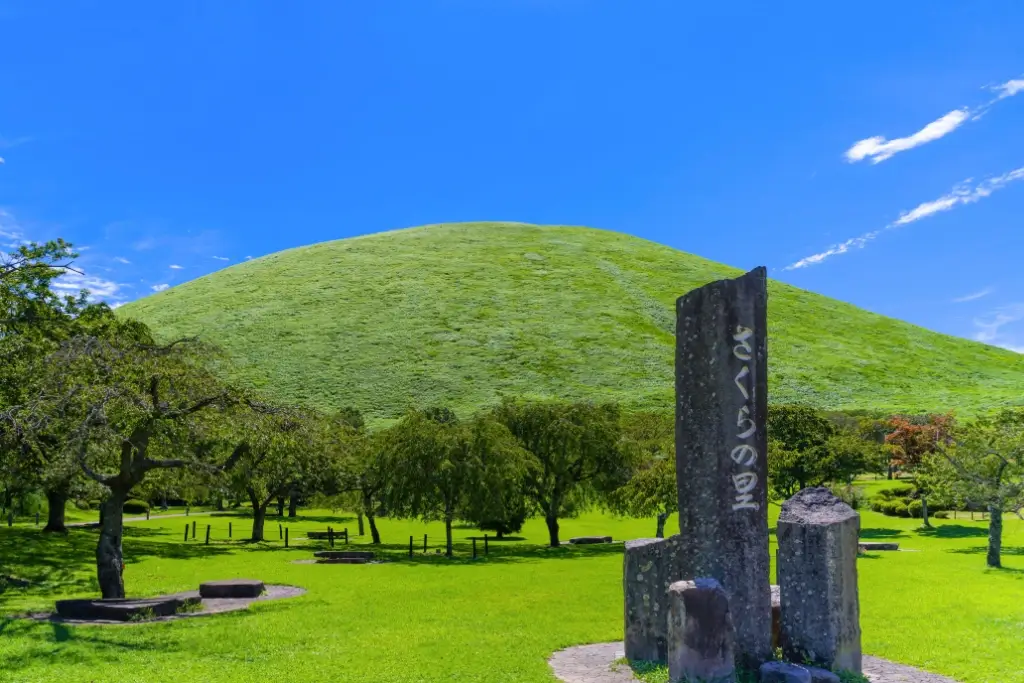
{"x": 133, "y": 506}
{"x": 895, "y": 508}
{"x": 851, "y": 495}
{"x": 877, "y": 504}
{"x": 941, "y": 514}
{"x": 902, "y": 491}
{"x": 914, "y": 509}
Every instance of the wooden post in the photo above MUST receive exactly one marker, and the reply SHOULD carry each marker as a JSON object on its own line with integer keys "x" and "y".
{"x": 229, "y": 529}
{"x": 280, "y": 532}
{"x": 410, "y": 546}
{"x": 346, "y": 535}
{"x": 285, "y": 538}
{"x": 186, "y": 514}
{"x": 193, "y": 529}
{"x": 474, "y": 548}
{"x": 424, "y": 543}
{"x": 207, "y": 534}
{"x": 147, "y": 514}
{"x": 186, "y": 531}
{"x": 485, "y": 544}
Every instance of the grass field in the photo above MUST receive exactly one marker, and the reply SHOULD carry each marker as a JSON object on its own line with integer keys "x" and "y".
{"x": 456, "y": 314}
{"x": 431, "y": 619}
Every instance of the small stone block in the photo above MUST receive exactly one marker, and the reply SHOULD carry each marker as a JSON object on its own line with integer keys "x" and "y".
{"x": 783, "y": 672}
{"x": 700, "y": 633}
{"x": 121, "y": 609}
{"x": 588, "y": 540}
{"x": 867, "y": 545}
{"x": 649, "y": 567}
{"x": 233, "y": 588}
{"x": 344, "y": 554}
{"x": 819, "y": 675}
{"x": 342, "y": 560}
{"x": 776, "y": 617}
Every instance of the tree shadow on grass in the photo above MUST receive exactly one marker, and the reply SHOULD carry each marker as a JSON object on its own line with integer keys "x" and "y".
{"x": 872, "y": 533}
{"x": 954, "y": 531}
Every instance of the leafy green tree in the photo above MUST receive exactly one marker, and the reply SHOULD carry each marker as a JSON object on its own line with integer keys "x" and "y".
{"x": 983, "y": 463}
{"x": 652, "y": 490}
{"x": 575, "y": 454}
{"x": 442, "y": 468}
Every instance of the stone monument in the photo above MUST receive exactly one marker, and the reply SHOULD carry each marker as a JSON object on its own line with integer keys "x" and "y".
{"x": 721, "y": 449}
{"x": 700, "y": 633}
{"x": 817, "y": 568}
{"x": 650, "y": 567}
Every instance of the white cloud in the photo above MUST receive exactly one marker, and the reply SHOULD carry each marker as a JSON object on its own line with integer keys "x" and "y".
{"x": 175, "y": 266}
{"x": 963, "y": 193}
{"x": 990, "y": 328}
{"x": 974, "y": 296}
{"x": 248, "y": 258}
{"x": 121, "y": 259}
{"x": 159, "y": 288}
{"x": 222, "y": 258}
{"x": 878, "y": 149}
{"x": 117, "y": 304}
{"x": 72, "y": 283}
{"x": 2, "y": 160}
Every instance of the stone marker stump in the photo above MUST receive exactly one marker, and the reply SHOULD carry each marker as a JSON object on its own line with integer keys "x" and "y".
{"x": 721, "y": 449}
{"x": 817, "y": 571}
{"x": 700, "y": 633}
{"x": 649, "y": 567}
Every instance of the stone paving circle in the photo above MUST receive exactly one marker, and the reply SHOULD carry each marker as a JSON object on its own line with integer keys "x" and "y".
{"x": 596, "y": 664}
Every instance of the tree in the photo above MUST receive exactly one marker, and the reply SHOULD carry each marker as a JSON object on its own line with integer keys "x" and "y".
{"x": 575, "y": 454}
{"x": 443, "y": 468}
{"x": 806, "y": 449}
{"x": 983, "y": 463}
{"x": 132, "y": 400}
{"x": 911, "y": 441}
{"x": 652, "y": 490}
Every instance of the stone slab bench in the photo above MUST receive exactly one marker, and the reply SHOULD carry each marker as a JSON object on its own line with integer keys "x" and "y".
{"x": 344, "y": 554}
{"x": 233, "y": 588}
{"x": 323, "y": 535}
{"x": 867, "y": 545}
{"x": 122, "y": 609}
{"x": 342, "y": 560}
{"x": 589, "y": 540}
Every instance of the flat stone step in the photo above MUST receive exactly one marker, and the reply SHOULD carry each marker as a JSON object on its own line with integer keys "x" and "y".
{"x": 344, "y": 554}
{"x": 232, "y": 588}
{"x": 868, "y": 545}
{"x": 343, "y": 560}
{"x": 122, "y": 609}
{"x": 588, "y": 540}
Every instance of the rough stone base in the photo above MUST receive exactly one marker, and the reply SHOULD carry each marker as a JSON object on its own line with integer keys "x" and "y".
{"x": 233, "y": 588}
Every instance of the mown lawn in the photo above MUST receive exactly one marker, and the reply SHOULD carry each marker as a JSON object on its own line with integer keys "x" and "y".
{"x": 431, "y": 619}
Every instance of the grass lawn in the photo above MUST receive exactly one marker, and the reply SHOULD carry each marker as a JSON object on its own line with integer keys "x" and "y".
{"x": 456, "y": 314}
{"x": 430, "y": 619}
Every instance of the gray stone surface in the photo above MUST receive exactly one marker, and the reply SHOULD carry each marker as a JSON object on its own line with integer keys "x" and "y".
{"x": 596, "y": 664}
{"x": 817, "y": 571}
{"x": 344, "y": 554}
{"x": 871, "y": 545}
{"x": 782, "y": 672}
{"x": 721, "y": 448}
{"x": 122, "y": 609}
{"x": 776, "y": 616}
{"x": 232, "y": 588}
{"x": 700, "y": 632}
{"x": 588, "y": 540}
{"x": 819, "y": 675}
{"x": 649, "y": 567}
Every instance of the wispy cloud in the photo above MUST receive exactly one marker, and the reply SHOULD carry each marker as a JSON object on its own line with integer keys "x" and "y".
{"x": 175, "y": 266}
{"x": 974, "y": 296}
{"x": 222, "y": 258}
{"x": 991, "y": 328}
{"x": 159, "y": 288}
{"x": 964, "y": 193}
{"x": 248, "y": 258}
{"x": 877, "y": 149}
{"x": 73, "y": 283}
{"x": 122, "y": 259}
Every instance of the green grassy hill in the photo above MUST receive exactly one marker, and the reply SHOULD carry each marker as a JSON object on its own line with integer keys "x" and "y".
{"x": 456, "y": 314}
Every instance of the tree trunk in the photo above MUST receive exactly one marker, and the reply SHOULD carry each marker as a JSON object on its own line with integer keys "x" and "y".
{"x": 552, "y": 522}
{"x": 220, "y": 504}
{"x": 448, "y": 535}
{"x": 259, "y": 516}
{"x": 501, "y": 533}
{"x": 293, "y": 504}
{"x": 888, "y": 474}
{"x": 109, "y": 557}
{"x": 280, "y": 506}
{"x": 924, "y": 512}
{"x": 374, "y": 534}
{"x": 662, "y": 517}
{"x": 359, "y": 517}
{"x": 995, "y": 535}
{"x": 56, "y": 501}
{"x": 163, "y": 502}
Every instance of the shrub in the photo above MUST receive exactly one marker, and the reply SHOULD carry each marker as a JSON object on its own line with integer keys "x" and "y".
{"x": 902, "y": 491}
{"x": 133, "y": 506}
{"x": 941, "y": 514}
{"x": 877, "y": 504}
{"x": 914, "y": 508}
{"x": 851, "y": 495}
{"x": 900, "y": 510}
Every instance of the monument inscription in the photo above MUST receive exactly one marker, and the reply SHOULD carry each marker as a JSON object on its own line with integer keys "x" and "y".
{"x": 721, "y": 443}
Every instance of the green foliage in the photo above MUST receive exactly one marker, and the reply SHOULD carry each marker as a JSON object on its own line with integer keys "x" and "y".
{"x": 134, "y": 506}
{"x": 914, "y": 508}
{"x": 652, "y": 488}
{"x": 462, "y": 313}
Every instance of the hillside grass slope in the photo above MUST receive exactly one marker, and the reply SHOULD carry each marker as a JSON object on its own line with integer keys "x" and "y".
{"x": 457, "y": 314}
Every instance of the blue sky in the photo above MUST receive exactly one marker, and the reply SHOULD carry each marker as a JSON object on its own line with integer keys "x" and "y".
{"x": 874, "y": 154}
